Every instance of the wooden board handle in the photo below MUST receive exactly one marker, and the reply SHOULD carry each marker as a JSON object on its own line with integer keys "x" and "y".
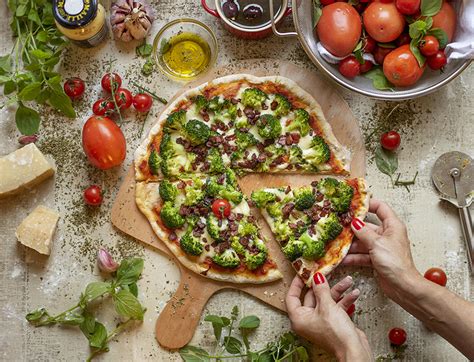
{"x": 177, "y": 322}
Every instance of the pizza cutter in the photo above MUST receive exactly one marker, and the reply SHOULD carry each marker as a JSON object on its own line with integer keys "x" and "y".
{"x": 453, "y": 176}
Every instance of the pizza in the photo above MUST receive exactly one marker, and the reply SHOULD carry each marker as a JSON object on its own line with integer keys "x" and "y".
{"x": 312, "y": 223}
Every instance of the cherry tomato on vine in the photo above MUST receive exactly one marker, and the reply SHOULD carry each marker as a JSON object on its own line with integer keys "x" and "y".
{"x": 142, "y": 102}
{"x": 437, "y": 61}
{"x": 364, "y": 68}
{"x": 109, "y": 79}
{"x": 429, "y": 45}
{"x": 408, "y": 7}
{"x": 103, "y": 107}
{"x": 74, "y": 88}
{"x": 221, "y": 208}
{"x": 436, "y": 275}
{"x": 123, "y": 98}
{"x": 93, "y": 195}
{"x": 390, "y": 140}
{"x": 397, "y": 336}
{"x": 349, "y": 67}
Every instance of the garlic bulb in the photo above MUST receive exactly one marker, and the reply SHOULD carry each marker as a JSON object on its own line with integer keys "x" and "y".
{"x": 131, "y": 19}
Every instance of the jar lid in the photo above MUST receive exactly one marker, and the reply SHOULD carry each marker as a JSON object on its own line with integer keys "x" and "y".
{"x": 74, "y": 13}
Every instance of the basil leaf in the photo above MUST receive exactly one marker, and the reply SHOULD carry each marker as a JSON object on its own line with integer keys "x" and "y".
{"x": 37, "y": 315}
{"x": 266, "y": 357}
{"x": 21, "y": 10}
{"x": 30, "y": 92}
{"x": 88, "y": 325}
{"x": 386, "y": 161}
{"x": 34, "y": 17}
{"x": 95, "y": 290}
{"x": 441, "y": 35}
{"x": 9, "y": 87}
{"x": 430, "y": 7}
{"x": 42, "y": 36}
{"x": 127, "y": 305}
{"x": 61, "y": 102}
{"x": 144, "y": 50}
{"x": 4, "y": 79}
{"x": 6, "y": 63}
{"x": 379, "y": 81}
{"x": 249, "y": 322}
{"x": 74, "y": 318}
{"x": 40, "y": 54}
{"x": 232, "y": 345}
{"x": 27, "y": 120}
{"x": 226, "y": 321}
{"x": 98, "y": 339}
{"x": 317, "y": 12}
{"x": 129, "y": 271}
{"x": 194, "y": 354}
{"x": 416, "y": 52}
{"x": 133, "y": 288}
{"x": 217, "y": 324}
{"x": 417, "y": 29}
{"x": 302, "y": 354}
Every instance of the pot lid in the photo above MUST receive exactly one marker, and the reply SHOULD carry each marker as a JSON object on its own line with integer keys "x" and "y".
{"x": 74, "y": 13}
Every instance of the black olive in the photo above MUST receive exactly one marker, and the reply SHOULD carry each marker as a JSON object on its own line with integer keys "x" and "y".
{"x": 230, "y": 9}
{"x": 253, "y": 12}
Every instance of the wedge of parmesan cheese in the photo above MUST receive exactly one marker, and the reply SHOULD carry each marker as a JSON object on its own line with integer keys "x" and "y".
{"x": 22, "y": 169}
{"x": 37, "y": 229}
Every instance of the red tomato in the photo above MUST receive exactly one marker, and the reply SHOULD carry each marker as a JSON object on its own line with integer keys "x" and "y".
{"x": 103, "y": 142}
{"x": 142, "y": 102}
{"x": 397, "y": 336}
{"x": 326, "y": 2}
{"x": 109, "y": 78}
{"x": 383, "y": 22}
{"x": 364, "y": 68}
{"x": 380, "y": 53}
{"x": 390, "y": 140}
{"x": 103, "y": 107}
{"x": 369, "y": 45}
{"x": 93, "y": 195}
{"x": 403, "y": 39}
{"x": 349, "y": 67}
{"x": 446, "y": 20}
{"x": 123, "y": 98}
{"x": 429, "y": 45}
{"x": 221, "y": 208}
{"x": 437, "y": 61}
{"x": 74, "y": 88}
{"x": 401, "y": 67}
{"x": 436, "y": 275}
{"x": 408, "y": 7}
{"x": 339, "y": 28}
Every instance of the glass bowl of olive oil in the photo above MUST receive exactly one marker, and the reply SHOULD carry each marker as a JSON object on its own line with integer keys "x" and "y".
{"x": 185, "y": 49}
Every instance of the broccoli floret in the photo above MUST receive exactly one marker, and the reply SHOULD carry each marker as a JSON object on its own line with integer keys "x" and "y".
{"x": 190, "y": 244}
{"x": 245, "y": 140}
{"x": 246, "y": 228}
{"x": 231, "y": 194}
{"x": 237, "y": 246}
{"x": 275, "y": 150}
{"x": 318, "y": 153}
{"x": 168, "y": 191}
{"x": 242, "y": 122}
{"x": 300, "y": 123}
{"x": 261, "y": 198}
{"x": 172, "y": 156}
{"x": 170, "y": 216}
{"x": 282, "y": 231}
{"x": 269, "y": 127}
{"x": 197, "y": 132}
{"x": 166, "y": 146}
{"x": 154, "y": 162}
{"x": 176, "y": 120}
{"x": 231, "y": 178}
{"x": 215, "y": 161}
{"x": 296, "y": 155}
{"x": 293, "y": 249}
{"x": 329, "y": 228}
{"x": 228, "y": 111}
{"x": 313, "y": 249}
{"x": 274, "y": 210}
{"x": 194, "y": 192}
{"x": 212, "y": 187}
{"x": 339, "y": 193}
{"x": 228, "y": 259}
{"x": 201, "y": 102}
{"x": 283, "y": 107}
{"x": 216, "y": 104}
{"x": 212, "y": 225}
{"x": 304, "y": 198}
{"x": 253, "y": 97}
{"x": 253, "y": 261}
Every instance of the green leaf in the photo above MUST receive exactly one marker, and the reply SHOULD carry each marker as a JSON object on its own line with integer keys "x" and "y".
{"x": 74, "y": 318}
{"x": 147, "y": 68}
{"x": 417, "y": 29}
{"x": 194, "y": 354}
{"x": 249, "y": 322}
{"x": 6, "y": 63}
{"x": 98, "y": 339}
{"x": 37, "y": 315}
{"x": 164, "y": 46}
{"x": 34, "y": 17}
{"x": 88, "y": 325}
{"x": 9, "y": 87}
{"x": 144, "y": 50}
{"x": 416, "y": 52}
{"x": 302, "y": 354}
{"x": 430, "y": 7}
{"x": 379, "y": 81}
{"x": 127, "y": 305}
{"x": 27, "y": 120}
{"x": 386, "y": 161}
{"x": 30, "y": 92}
{"x": 133, "y": 288}
{"x": 232, "y": 345}
{"x": 95, "y": 290}
{"x": 226, "y": 321}
{"x": 266, "y": 357}
{"x": 21, "y": 10}
{"x": 217, "y": 324}
{"x": 62, "y": 103}
{"x": 317, "y": 12}
{"x": 40, "y": 54}
{"x": 4, "y": 79}
{"x": 42, "y": 36}
{"x": 441, "y": 35}
{"x": 129, "y": 271}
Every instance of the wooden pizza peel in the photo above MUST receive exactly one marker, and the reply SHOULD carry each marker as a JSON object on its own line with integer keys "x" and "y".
{"x": 177, "y": 322}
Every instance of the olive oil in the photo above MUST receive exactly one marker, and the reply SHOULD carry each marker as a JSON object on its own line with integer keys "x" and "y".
{"x": 185, "y": 55}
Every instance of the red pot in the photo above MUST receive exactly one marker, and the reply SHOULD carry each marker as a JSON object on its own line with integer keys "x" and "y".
{"x": 242, "y": 32}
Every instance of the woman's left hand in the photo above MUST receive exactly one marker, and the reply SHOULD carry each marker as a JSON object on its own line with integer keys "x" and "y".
{"x": 322, "y": 318}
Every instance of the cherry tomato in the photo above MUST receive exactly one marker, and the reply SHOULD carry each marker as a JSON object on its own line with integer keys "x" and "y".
{"x": 401, "y": 67}
{"x": 429, "y": 45}
{"x": 364, "y": 68}
{"x": 436, "y": 275}
{"x": 446, "y": 20}
{"x": 103, "y": 142}
{"x": 408, "y": 7}
{"x": 397, "y": 336}
{"x": 380, "y": 53}
{"x": 142, "y": 102}
{"x": 74, "y": 88}
{"x": 349, "y": 67}
{"x": 339, "y": 28}
{"x": 93, "y": 195}
{"x": 123, "y": 98}
{"x": 327, "y": 2}
{"x": 390, "y": 140}
{"x": 109, "y": 78}
{"x": 221, "y": 208}
{"x": 383, "y": 22}
{"x": 369, "y": 45}
{"x": 437, "y": 61}
{"x": 403, "y": 39}
{"x": 103, "y": 107}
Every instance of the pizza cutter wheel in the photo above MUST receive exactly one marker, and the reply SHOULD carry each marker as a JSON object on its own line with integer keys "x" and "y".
{"x": 453, "y": 176}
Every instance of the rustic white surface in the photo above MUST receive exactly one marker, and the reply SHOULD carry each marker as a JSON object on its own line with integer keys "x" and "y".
{"x": 432, "y": 125}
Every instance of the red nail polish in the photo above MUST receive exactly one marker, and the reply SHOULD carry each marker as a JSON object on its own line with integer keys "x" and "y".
{"x": 318, "y": 278}
{"x": 357, "y": 223}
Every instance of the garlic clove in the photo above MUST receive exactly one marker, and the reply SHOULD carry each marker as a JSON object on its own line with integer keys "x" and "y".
{"x": 105, "y": 261}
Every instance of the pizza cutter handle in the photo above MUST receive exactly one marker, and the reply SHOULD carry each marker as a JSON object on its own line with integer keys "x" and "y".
{"x": 466, "y": 225}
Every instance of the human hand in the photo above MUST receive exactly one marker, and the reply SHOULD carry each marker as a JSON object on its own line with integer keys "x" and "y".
{"x": 386, "y": 248}
{"x": 322, "y": 318}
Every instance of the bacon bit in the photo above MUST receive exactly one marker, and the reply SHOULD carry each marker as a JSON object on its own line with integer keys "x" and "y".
{"x": 264, "y": 106}
{"x": 286, "y": 210}
{"x": 288, "y": 189}
{"x": 274, "y": 105}
{"x": 305, "y": 274}
{"x": 319, "y": 196}
{"x": 296, "y": 137}
{"x": 205, "y": 117}
{"x": 207, "y": 247}
{"x": 234, "y": 101}
{"x": 239, "y": 112}
{"x": 314, "y": 183}
{"x": 297, "y": 264}
{"x": 181, "y": 185}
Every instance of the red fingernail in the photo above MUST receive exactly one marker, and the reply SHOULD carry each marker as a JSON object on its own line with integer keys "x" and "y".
{"x": 357, "y": 223}
{"x": 319, "y": 278}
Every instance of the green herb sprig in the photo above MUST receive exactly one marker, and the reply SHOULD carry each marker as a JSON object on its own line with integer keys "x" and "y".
{"x": 146, "y": 90}
{"x": 123, "y": 290}
{"x": 145, "y": 51}
{"x": 286, "y": 348}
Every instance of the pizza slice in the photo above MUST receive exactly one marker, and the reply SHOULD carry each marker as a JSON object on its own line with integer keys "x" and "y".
{"x": 312, "y": 223}
{"x": 207, "y": 224}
